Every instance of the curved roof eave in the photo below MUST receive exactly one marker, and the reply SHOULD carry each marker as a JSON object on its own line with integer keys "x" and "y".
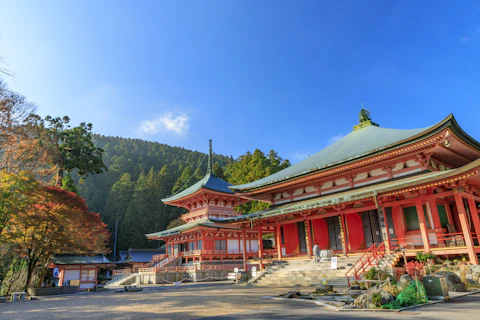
{"x": 415, "y": 134}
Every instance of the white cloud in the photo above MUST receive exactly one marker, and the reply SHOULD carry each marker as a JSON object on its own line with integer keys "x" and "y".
{"x": 335, "y": 138}
{"x": 167, "y": 122}
{"x": 467, "y": 38}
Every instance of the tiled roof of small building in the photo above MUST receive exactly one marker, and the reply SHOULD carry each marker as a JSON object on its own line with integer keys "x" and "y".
{"x": 78, "y": 259}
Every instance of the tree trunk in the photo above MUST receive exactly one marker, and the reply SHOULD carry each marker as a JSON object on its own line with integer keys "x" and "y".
{"x": 58, "y": 180}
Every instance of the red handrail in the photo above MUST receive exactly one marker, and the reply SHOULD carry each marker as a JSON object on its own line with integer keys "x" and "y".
{"x": 366, "y": 261}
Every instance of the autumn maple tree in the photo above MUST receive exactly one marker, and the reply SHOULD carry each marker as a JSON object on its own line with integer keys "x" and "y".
{"x": 45, "y": 220}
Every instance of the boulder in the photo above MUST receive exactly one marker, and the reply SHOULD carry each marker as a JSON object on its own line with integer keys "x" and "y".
{"x": 324, "y": 288}
{"x": 365, "y": 299}
{"x": 291, "y": 295}
{"x": 453, "y": 281}
{"x": 404, "y": 281}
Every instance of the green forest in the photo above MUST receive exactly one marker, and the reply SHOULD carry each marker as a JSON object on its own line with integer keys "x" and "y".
{"x": 64, "y": 189}
{"x": 141, "y": 173}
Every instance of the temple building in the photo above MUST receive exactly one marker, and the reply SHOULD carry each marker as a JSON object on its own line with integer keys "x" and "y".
{"x": 416, "y": 189}
{"x": 374, "y": 191}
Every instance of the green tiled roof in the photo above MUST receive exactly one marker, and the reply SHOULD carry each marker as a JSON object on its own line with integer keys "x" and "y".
{"x": 185, "y": 227}
{"x": 355, "y": 194}
{"x": 210, "y": 181}
{"x": 78, "y": 259}
{"x": 356, "y": 144}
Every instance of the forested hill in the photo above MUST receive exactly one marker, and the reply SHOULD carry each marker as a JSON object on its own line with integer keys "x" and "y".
{"x": 140, "y": 174}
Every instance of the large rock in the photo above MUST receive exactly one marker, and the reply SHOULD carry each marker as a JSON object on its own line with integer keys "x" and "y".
{"x": 291, "y": 295}
{"x": 404, "y": 281}
{"x": 365, "y": 300}
{"x": 453, "y": 281}
{"x": 324, "y": 288}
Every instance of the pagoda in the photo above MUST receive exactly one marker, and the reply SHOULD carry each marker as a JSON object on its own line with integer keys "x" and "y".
{"x": 200, "y": 240}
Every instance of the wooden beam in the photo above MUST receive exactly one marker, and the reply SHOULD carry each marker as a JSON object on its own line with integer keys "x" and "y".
{"x": 457, "y": 154}
{"x": 244, "y": 250}
{"x": 423, "y": 197}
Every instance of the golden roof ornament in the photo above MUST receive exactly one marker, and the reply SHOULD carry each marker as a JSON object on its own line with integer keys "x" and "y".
{"x": 364, "y": 119}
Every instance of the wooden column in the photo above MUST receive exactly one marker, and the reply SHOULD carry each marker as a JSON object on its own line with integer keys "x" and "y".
{"x": 384, "y": 228}
{"x": 465, "y": 229}
{"x": 423, "y": 224}
{"x": 279, "y": 241}
{"x": 244, "y": 249}
{"x": 238, "y": 242}
{"x": 260, "y": 242}
{"x": 437, "y": 225}
{"x": 310, "y": 240}
{"x": 474, "y": 214}
{"x": 343, "y": 235}
{"x": 435, "y": 217}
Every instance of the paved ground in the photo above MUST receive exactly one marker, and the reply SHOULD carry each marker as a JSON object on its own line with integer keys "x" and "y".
{"x": 212, "y": 302}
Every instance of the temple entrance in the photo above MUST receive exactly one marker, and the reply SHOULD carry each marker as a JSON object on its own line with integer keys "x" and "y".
{"x": 302, "y": 237}
{"x": 371, "y": 228}
{"x": 334, "y": 233}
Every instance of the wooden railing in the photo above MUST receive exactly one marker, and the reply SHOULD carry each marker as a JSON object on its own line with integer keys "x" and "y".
{"x": 155, "y": 259}
{"x": 195, "y": 268}
{"x": 121, "y": 271}
{"x": 436, "y": 240}
{"x": 161, "y": 263}
{"x": 368, "y": 260}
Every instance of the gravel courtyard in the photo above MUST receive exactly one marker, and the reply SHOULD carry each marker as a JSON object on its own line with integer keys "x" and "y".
{"x": 210, "y": 301}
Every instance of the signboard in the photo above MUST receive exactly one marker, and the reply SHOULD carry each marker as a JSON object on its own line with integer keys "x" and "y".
{"x": 254, "y": 271}
{"x": 334, "y": 263}
{"x": 235, "y": 270}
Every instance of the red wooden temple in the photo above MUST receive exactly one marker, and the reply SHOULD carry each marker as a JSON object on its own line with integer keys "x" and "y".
{"x": 376, "y": 187}
{"x": 417, "y": 189}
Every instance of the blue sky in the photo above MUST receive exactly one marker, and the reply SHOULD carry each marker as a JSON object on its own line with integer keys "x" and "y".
{"x": 282, "y": 75}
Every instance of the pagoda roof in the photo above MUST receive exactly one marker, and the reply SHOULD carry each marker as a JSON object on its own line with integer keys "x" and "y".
{"x": 63, "y": 259}
{"x": 355, "y": 194}
{"x": 209, "y": 182}
{"x": 141, "y": 255}
{"x": 186, "y": 227}
{"x": 359, "y": 143}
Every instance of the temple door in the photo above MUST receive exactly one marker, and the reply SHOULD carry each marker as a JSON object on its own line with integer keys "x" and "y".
{"x": 371, "y": 228}
{"x": 334, "y": 233}
{"x": 301, "y": 237}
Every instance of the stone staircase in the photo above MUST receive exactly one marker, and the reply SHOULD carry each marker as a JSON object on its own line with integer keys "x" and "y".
{"x": 291, "y": 273}
{"x": 124, "y": 279}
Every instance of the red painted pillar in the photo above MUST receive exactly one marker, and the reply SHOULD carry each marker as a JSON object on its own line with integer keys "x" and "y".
{"x": 244, "y": 249}
{"x": 310, "y": 240}
{"x": 386, "y": 231}
{"x": 437, "y": 225}
{"x": 423, "y": 224}
{"x": 474, "y": 214}
{"x": 279, "y": 241}
{"x": 345, "y": 236}
{"x": 260, "y": 246}
{"x": 239, "y": 243}
{"x": 465, "y": 229}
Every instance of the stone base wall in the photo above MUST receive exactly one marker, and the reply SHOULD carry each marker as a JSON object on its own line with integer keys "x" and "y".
{"x": 193, "y": 276}
{"x": 50, "y": 291}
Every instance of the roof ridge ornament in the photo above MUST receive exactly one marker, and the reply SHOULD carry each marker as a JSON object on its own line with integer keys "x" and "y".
{"x": 210, "y": 158}
{"x": 364, "y": 119}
